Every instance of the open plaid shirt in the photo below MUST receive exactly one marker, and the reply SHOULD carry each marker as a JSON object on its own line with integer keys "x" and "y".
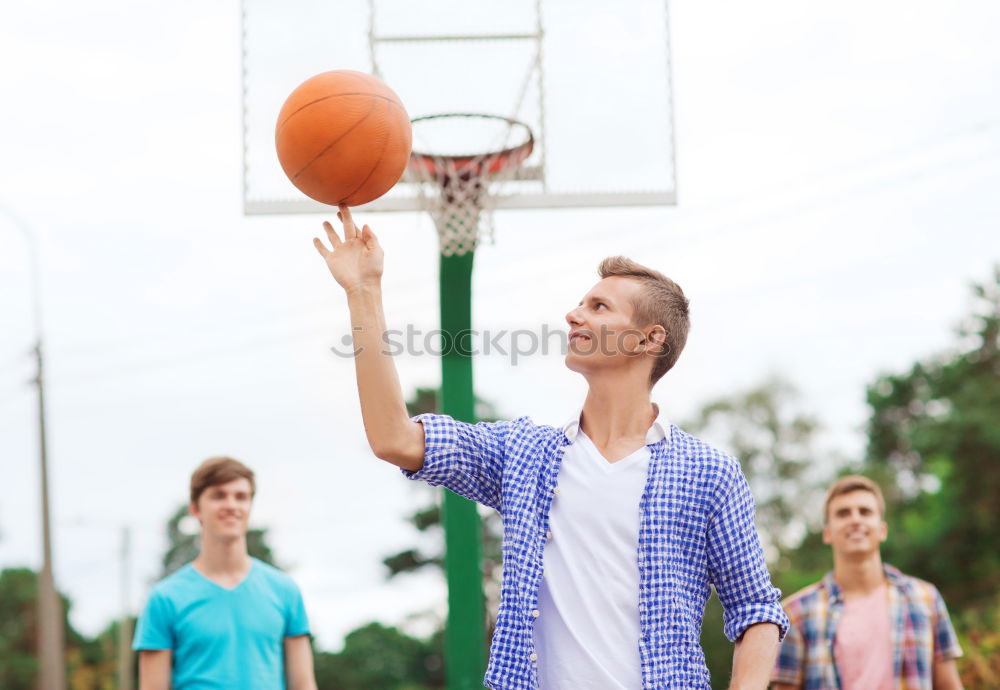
{"x": 921, "y": 634}
{"x": 696, "y": 530}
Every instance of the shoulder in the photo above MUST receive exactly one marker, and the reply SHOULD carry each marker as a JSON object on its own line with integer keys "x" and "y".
{"x": 913, "y": 587}
{"x": 276, "y": 578}
{"x": 805, "y": 601}
{"x": 171, "y": 594}
{"x": 174, "y": 584}
{"x": 703, "y": 458}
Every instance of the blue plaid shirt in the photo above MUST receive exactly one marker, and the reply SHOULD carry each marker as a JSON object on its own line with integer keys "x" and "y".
{"x": 696, "y": 531}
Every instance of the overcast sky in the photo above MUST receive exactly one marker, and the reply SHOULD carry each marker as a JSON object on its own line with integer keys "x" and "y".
{"x": 838, "y": 167}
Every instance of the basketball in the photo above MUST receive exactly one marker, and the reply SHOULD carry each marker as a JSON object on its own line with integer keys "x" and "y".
{"x": 343, "y": 137}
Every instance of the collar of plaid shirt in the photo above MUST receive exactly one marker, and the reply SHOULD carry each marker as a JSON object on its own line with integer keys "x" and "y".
{"x": 696, "y": 531}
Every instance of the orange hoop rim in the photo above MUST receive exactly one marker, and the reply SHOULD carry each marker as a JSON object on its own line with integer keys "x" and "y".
{"x": 477, "y": 165}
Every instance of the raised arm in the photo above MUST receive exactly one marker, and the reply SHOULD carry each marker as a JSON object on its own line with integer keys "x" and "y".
{"x": 356, "y": 263}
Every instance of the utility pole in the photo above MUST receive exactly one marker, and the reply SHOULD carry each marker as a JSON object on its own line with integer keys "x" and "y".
{"x": 125, "y": 626}
{"x": 51, "y": 636}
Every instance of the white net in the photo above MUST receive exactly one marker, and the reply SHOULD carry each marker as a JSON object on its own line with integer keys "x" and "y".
{"x": 459, "y": 190}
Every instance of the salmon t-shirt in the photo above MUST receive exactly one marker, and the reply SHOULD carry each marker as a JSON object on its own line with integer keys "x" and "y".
{"x": 862, "y": 649}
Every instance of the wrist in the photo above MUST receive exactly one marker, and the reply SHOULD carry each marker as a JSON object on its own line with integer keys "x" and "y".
{"x": 372, "y": 287}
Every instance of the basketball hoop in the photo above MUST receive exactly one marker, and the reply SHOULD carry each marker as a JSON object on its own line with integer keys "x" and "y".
{"x": 458, "y": 187}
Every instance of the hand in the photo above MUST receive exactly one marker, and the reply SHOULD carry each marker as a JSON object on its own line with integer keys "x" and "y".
{"x": 356, "y": 260}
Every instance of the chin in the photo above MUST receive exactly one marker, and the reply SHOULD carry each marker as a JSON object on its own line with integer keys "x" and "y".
{"x": 573, "y": 363}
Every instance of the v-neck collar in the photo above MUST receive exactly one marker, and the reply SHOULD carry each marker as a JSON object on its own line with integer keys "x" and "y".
{"x": 206, "y": 578}
{"x": 595, "y": 454}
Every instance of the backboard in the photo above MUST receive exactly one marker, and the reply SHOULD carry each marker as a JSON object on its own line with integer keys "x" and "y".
{"x": 591, "y": 78}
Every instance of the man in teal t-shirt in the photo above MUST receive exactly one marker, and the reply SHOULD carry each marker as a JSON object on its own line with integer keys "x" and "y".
{"x": 225, "y": 620}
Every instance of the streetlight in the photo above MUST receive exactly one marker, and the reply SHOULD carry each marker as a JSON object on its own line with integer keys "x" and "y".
{"x": 51, "y": 637}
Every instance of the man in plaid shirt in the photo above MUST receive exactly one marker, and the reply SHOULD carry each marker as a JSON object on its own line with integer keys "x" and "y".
{"x": 616, "y": 525}
{"x": 865, "y": 626}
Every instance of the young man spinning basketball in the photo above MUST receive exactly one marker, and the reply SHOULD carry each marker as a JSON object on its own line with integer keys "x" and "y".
{"x": 615, "y": 525}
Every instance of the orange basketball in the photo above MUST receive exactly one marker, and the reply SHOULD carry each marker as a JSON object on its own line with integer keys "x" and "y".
{"x": 343, "y": 137}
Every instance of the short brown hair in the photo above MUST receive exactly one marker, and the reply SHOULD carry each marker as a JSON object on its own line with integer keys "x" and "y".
{"x": 219, "y": 470}
{"x": 661, "y": 302}
{"x": 850, "y": 484}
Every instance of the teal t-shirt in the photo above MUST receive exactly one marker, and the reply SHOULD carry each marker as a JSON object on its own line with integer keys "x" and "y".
{"x": 224, "y": 638}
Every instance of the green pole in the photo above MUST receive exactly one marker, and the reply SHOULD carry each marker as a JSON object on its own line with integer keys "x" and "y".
{"x": 465, "y": 635}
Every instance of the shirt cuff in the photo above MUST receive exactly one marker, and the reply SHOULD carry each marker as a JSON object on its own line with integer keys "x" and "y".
{"x": 440, "y": 434}
{"x": 739, "y": 618}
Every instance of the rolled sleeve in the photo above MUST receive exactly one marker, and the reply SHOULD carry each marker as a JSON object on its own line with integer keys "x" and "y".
{"x": 788, "y": 666}
{"x": 946, "y": 644}
{"x": 736, "y": 561}
{"x": 465, "y": 458}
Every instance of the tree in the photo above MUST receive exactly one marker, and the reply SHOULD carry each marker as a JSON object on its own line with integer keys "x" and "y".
{"x": 19, "y": 631}
{"x": 377, "y": 657}
{"x": 934, "y": 441}
{"x": 183, "y": 545}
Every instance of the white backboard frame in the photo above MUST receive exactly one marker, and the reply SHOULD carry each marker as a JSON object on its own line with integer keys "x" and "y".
{"x": 597, "y": 92}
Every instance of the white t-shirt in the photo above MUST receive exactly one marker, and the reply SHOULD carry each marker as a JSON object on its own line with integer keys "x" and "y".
{"x": 587, "y": 632}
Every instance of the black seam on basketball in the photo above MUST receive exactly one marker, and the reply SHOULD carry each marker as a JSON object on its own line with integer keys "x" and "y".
{"x": 335, "y": 141}
{"x": 378, "y": 161}
{"x": 336, "y": 95}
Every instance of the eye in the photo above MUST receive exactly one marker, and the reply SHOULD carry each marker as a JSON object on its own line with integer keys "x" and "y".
{"x": 599, "y": 305}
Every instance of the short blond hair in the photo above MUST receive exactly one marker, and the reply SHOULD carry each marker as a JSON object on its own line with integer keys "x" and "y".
{"x": 217, "y": 471}
{"x": 661, "y": 302}
{"x": 850, "y": 484}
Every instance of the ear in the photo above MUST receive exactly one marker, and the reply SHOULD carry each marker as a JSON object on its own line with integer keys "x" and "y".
{"x": 884, "y": 532}
{"x": 656, "y": 340}
{"x": 826, "y": 535}
{"x": 193, "y": 510}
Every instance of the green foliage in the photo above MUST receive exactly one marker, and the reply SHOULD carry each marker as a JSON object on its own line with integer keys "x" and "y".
{"x": 19, "y": 634}
{"x": 979, "y": 634}
{"x": 934, "y": 441}
{"x": 18, "y": 628}
{"x": 376, "y": 657}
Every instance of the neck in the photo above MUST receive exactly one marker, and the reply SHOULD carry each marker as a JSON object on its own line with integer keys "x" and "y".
{"x": 858, "y": 575}
{"x": 223, "y": 557}
{"x": 613, "y": 411}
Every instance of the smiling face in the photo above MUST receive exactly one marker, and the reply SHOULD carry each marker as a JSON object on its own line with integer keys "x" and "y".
{"x": 854, "y": 524}
{"x": 603, "y": 335}
{"x": 224, "y": 510}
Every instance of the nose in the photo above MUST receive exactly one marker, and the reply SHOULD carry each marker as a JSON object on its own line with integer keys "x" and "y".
{"x": 573, "y": 317}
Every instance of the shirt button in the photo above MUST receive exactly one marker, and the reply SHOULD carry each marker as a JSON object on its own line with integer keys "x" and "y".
{"x": 556, "y": 491}
{"x": 533, "y": 657}
{"x": 536, "y": 613}
{"x": 548, "y": 535}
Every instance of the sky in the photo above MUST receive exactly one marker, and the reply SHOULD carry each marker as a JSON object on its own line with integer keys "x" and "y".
{"x": 837, "y": 176}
